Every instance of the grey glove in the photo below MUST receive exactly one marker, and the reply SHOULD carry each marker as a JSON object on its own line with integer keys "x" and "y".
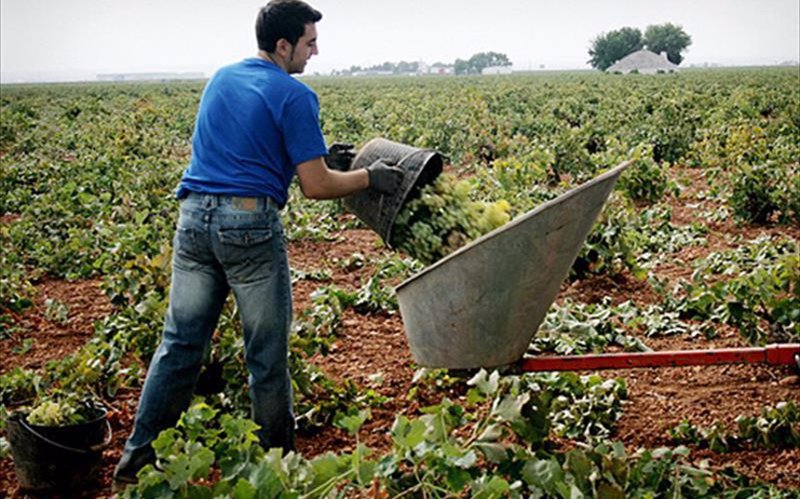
{"x": 384, "y": 178}
{"x": 340, "y": 156}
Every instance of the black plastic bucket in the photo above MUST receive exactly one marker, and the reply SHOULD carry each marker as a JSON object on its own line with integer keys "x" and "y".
{"x": 379, "y": 211}
{"x": 57, "y": 458}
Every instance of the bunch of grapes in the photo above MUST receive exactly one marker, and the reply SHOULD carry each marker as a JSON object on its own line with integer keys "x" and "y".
{"x": 444, "y": 218}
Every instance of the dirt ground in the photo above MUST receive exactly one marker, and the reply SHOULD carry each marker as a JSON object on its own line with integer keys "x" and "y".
{"x": 368, "y": 345}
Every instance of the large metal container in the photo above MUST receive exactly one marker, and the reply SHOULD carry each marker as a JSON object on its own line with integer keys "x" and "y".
{"x": 481, "y": 305}
{"x": 377, "y": 210}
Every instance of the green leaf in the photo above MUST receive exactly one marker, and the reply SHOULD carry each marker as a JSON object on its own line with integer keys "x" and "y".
{"x": 581, "y": 468}
{"x": 491, "y": 433}
{"x": 543, "y": 473}
{"x": 243, "y": 490}
{"x": 466, "y": 461}
{"x": 610, "y": 491}
{"x": 267, "y": 477}
{"x": 352, "y": 423}
{"x": 198, "y": 492}
{"x": 494, "y": 452}
{"x": 200, "y": 461}
{"x": 486, "y": 383}
{"x": 496, "y": 487}
{"x": 510, "y": 407}
{"x": 408, "y": 434}
{"x": 366, "y": 471}
{"x": 167, "y": 443}
{"x": 325, "y": 467}
{"x": 178, "y": 471}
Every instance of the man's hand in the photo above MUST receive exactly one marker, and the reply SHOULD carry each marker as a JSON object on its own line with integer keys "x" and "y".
{"x": 384, "y": 178}
{"x": 340, "y": 156}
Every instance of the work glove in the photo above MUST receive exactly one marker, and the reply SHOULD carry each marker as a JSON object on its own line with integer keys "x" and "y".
{"x": 384, "y": 178}
{"x": 340, "y": 156}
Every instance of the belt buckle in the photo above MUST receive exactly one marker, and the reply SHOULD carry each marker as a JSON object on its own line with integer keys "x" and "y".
{"x": 245, "y": 204}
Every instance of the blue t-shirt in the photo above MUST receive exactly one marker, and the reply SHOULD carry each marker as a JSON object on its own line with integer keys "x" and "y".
{"x": 254, "y": 126}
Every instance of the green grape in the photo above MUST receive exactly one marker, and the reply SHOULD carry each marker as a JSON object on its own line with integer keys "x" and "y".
{"x": 444, "y": 218}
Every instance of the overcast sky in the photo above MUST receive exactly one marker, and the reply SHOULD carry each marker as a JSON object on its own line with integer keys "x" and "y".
{"x": 75, "y": 39}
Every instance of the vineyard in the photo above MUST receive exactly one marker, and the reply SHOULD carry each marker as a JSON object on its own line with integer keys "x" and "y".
{"x": 697, "y": 248}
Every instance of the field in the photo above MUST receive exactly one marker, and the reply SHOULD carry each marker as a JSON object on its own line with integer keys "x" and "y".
{"x": 697, "y": 248}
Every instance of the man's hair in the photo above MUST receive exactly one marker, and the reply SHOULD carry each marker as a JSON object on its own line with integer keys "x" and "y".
{"x": 283, "y": 19}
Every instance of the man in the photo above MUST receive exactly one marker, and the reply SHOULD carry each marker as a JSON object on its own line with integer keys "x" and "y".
{"x": 256, "y": 126}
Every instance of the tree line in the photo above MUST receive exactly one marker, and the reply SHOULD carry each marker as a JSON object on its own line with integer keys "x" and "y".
{"x": 473, "y": 65}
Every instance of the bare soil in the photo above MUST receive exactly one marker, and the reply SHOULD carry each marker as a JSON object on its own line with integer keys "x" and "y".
{"x": 372, "y": 351}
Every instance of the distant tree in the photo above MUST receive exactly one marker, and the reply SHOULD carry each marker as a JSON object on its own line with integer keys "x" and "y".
{"x": 667, "y": 38}
{"x": 610, "y": 47}
{"x": 481, "y": 60}
{"x": 404, "y": 67}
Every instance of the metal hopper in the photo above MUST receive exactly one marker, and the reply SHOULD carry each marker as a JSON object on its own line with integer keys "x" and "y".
{"x": 481, "y": 305}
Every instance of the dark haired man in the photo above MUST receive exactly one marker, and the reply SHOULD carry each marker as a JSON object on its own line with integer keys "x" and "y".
{"x": 256, "y": 126}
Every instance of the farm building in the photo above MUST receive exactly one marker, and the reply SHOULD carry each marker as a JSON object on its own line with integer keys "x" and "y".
{"x": 644, "y": 61}
{"x": 441, "y": 69}
{"x": 496, "y": 70}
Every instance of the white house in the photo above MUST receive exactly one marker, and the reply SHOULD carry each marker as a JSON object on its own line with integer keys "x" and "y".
{"x": 645, "y": 62}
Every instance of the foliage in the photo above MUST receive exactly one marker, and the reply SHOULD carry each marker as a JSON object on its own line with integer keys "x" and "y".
{"x": 660, "y": 237}
{"x": 763, "y": 193}
{"x": 765, "y": 288}
{"x": 377, "y": 295}
{"x": 645, "y": 180}
{"x": 669, "y": 38}
{"x": 608, "y": 48}
{"x": 479, "y": 61}
{"x": 401, "y": 67}
{"x": 19, "y": 386}
{"x": 577, "y": 328}
{"x": 499, "y": 448}
{"x": 612, "y": 244}
{"x": 777, "y": 426}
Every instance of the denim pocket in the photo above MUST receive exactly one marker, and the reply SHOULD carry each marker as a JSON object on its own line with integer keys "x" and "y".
{"x": 191, "y": 244}
{"x": 247, "y": 253}
{"x": 245, "y": 238}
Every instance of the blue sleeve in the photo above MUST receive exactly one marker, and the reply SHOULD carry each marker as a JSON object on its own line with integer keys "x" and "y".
{"x": 302, "y": 135}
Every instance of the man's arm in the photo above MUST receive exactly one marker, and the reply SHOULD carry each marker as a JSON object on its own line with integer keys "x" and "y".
{"x": 317, "y": 181}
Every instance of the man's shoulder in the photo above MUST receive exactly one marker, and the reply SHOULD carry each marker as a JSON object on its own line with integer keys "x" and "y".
{"x": 266, "y": 78}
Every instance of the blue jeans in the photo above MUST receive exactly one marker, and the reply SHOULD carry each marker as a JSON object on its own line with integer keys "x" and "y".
{"x": 223, "y": 243}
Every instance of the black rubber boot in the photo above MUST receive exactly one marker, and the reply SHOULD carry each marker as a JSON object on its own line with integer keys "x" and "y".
{"x": 130, "y": 464}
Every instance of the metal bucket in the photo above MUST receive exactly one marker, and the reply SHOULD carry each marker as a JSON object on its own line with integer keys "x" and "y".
{"x": 481, "y": 305}
{"x": 379, "y": 211}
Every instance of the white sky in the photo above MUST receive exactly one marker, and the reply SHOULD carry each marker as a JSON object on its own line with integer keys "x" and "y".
{"x": 75, "y": 39}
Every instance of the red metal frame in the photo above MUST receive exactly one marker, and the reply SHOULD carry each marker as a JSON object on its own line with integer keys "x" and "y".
{"x": 779, "y": 354}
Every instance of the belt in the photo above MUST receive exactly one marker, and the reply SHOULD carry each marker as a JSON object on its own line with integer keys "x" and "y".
{"x": 242, "y": 203}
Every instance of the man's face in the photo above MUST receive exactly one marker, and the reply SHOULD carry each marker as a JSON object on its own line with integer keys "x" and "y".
{"x": 302, "y": 51}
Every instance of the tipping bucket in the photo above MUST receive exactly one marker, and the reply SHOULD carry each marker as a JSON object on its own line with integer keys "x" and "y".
{"x": 379, "y": 211}
{"x": 57, "y": 458}
{"x": 481, "y": 305}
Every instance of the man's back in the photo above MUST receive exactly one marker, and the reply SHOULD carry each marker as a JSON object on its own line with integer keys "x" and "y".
{"x": 255, "y": 124}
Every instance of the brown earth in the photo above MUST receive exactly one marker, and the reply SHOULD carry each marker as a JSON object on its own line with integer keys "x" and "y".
{"x": 372, "y": 351}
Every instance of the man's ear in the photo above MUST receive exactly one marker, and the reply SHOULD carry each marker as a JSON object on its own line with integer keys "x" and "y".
{"x": 283, "y": 47}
